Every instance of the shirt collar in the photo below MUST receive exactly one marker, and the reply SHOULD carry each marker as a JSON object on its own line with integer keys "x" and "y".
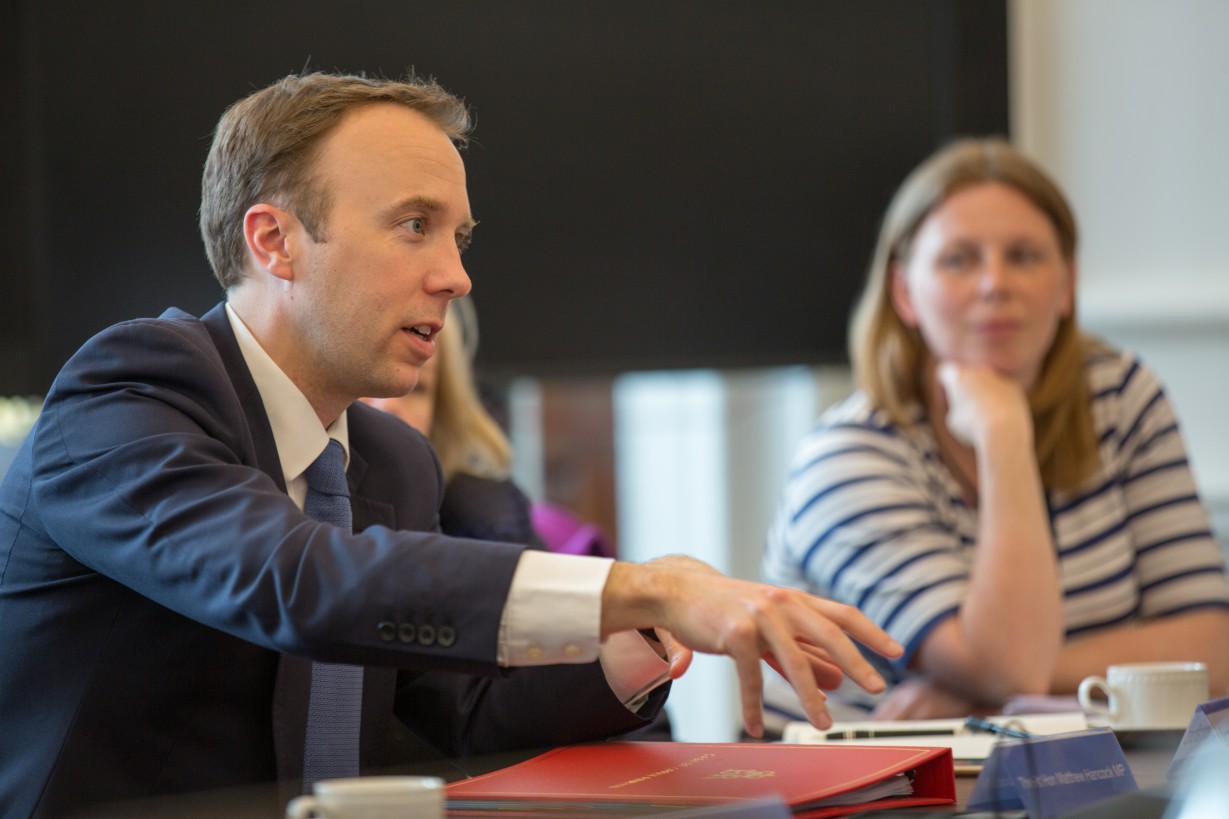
{"x": 297, "y": 431}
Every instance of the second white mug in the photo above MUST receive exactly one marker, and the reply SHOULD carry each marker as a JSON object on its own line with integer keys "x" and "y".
{"x": 1147, "y": 696}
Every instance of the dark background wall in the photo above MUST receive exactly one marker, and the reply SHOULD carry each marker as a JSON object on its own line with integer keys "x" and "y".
{"x": 660, "y": 183}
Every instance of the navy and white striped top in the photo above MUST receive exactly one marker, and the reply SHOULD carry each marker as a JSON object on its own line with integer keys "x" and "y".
{"x": 870, "y": 516}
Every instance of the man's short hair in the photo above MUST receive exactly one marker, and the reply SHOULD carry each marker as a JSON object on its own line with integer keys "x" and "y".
{"x": 265, "y": 145}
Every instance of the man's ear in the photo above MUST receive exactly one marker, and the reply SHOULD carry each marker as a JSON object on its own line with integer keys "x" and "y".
{"x": 266, "y": 230}
{"x": 899, "y": 290}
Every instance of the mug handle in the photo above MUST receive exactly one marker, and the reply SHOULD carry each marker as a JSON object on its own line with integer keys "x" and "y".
{"x": 1087, "y": 685}
{"x": 303, "y": 807}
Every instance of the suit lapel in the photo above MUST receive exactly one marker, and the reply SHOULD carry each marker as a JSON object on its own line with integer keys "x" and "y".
{"x": 261, "y": 431}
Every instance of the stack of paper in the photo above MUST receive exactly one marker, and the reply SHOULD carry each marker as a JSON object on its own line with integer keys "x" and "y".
{"x": 967, "y": 745}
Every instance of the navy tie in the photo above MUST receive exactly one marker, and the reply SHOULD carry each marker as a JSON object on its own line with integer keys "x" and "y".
{"x": 335, "y": 705}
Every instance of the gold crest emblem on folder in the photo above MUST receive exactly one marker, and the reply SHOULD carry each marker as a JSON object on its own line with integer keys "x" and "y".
{"x": 735, "y": 773}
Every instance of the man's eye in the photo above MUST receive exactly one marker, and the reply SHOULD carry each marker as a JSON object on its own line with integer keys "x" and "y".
{"x": 416, "y": 225}
{"x": 463, "y": 241}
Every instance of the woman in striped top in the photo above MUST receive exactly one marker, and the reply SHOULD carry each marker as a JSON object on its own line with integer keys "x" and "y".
{"x": 1008, "y": 498}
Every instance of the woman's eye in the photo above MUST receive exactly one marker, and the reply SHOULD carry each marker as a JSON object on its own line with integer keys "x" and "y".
{"x": 959, "y": 260}
{"x": 1026, "y": 255}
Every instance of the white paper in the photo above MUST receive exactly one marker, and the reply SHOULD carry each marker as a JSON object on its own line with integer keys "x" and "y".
{"x": 966, "y": 745}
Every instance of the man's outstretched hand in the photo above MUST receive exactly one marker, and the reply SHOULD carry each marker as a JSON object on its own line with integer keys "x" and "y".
{"x": 693, "y": 607}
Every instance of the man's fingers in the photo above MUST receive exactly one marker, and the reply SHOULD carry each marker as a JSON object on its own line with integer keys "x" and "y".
{"x": 809, "y": 640}
{"x": 827, "y": 673}
{"x": 831, "y": 631}
{"x": 846, "y": 655}
{"x": 751, "y": 691}
{"x": 795, "y": 664}
{"x": 678, "y": 654}
{"x": 858, "y": 626}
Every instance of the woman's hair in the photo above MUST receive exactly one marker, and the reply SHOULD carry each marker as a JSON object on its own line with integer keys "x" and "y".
{"x": 264, "y": 149}
{"x": 888, "y": 356}
{"x": 463, "y": 433}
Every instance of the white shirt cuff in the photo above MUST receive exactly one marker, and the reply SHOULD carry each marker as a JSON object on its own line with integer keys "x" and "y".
{"x": 633, "y": 668}
{"x": 554, "y": 610}
{"x": 554, "y": 615}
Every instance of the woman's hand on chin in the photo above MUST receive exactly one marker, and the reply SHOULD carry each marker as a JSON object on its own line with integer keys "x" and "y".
{"x": 981, "y": 401}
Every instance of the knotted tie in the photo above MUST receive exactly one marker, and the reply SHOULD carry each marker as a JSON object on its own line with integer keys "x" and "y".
{"x": 334, "y": 707}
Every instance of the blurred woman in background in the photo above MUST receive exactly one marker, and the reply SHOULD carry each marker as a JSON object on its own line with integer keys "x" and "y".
{"x": 480, "y": 499}
{"x": 1009, "y": 498}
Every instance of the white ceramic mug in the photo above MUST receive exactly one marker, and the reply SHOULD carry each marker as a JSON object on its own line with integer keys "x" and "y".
{"x": 372, "y": 797}
{"x": 1147, "y": 696}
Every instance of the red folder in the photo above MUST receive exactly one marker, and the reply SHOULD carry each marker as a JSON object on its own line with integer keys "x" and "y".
{"x": 643, "y": 778}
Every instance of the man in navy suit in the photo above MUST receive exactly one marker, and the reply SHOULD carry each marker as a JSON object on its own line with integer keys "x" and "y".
{"x": 163, "y": 595}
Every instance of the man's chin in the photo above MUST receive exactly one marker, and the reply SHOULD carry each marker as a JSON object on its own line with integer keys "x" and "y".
{"x": 393, "y": 387}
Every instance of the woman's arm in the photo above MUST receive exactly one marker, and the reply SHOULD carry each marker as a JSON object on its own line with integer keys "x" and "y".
{"x": 1006, "y": 637}
{"x": 864, "y": 519}
{"x": 1178, "y": 564}
{"x": 1197, "y": 636}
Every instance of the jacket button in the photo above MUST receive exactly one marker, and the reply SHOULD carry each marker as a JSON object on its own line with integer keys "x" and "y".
{"x": 445, "y": 636}
{"x": 387, "y": 631}
{"x": 406, "y": 633}
{"x": 426, "y": 635}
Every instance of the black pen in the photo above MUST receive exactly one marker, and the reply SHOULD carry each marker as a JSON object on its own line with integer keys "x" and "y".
{"x": 888, "y": 732}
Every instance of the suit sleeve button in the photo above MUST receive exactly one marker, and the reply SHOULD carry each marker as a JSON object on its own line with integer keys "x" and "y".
{"x": 445, "y": 636}
{"x": 387, "y": 631}
{"x": 426, "y": 635}
{"x": 406, "y": 633}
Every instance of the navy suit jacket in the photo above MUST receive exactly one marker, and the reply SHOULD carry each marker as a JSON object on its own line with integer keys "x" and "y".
{"x": 154, "y": 573}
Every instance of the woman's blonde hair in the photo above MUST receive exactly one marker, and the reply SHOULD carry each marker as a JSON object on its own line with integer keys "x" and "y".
{"x": 888, "y": 356}
{"x": 466, "y": 437}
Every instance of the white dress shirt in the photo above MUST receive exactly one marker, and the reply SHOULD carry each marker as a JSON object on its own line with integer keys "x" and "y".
{"x": 553, "y": 611}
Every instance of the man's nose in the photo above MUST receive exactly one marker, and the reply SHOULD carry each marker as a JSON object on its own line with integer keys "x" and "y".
{"x": 449, "y": 276}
